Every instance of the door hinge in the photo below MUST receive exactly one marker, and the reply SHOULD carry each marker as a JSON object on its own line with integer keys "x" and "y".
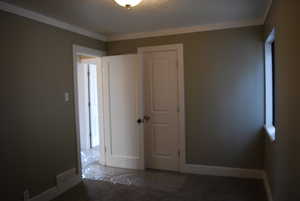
{"x": 178, "y": 152}
{"x": 105, "y": 149}
{"x": 178, "y": 108}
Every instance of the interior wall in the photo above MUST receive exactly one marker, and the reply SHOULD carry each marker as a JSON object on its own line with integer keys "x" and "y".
{"x": 37, "y": 129}
{"x": 224, "y": 94}
{"x": 282, "y": 157}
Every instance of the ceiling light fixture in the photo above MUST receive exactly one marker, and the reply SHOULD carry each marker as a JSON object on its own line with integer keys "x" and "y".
{"x": 128, "y": 3}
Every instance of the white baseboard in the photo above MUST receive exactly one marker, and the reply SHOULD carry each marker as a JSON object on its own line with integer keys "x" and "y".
{"x": 230, "y": 172}
{"x": 268, "y": 187}
{"x": 47, "y": 195}
{"x": 65, "y": 181}
{"x": 223, "y": 171}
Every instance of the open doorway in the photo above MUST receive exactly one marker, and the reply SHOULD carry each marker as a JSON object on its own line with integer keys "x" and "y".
{"x": 88, "y": 111}
{"x": 118, "y": 97}
{"x": 109, "y": 115}
{"x": 88, "y": 106}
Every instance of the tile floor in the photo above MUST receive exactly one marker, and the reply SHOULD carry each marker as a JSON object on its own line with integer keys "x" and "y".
{"x": 89, "y": 156}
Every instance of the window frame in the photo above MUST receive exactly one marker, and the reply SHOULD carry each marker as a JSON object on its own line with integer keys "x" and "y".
{"x": 270, "y": 86}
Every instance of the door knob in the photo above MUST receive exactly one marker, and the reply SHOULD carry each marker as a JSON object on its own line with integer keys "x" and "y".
{"x": 139, "y": 121}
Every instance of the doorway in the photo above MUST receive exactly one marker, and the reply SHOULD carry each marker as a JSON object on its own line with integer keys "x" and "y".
{"x": 108, "y": 89}
{"x": 88, "y": 111}
{"x": 129, "y": 95}
{"x": 88, "y": 107}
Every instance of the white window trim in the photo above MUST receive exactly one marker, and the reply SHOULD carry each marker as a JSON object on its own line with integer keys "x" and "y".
{"x": 269, "y": 127}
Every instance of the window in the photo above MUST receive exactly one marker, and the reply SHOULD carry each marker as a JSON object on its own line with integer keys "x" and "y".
{"x": 270, "y": 90}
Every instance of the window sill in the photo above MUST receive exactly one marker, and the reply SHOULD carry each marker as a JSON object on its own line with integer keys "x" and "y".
{"x": 271, "y": 132}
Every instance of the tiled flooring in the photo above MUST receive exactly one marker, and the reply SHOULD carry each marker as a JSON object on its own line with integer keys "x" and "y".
{"x": 114, "y": 184}
{"x": 89, "y": 156}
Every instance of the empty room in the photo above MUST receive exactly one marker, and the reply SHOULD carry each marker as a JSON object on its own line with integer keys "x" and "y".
{"x": 150, "y": 100}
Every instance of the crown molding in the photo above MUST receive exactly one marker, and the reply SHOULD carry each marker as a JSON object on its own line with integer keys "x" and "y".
{"x": 164, "y": 32}
{"x": 184, "y": 30}
{"x": 270, "y": 2}
{"x": 50, "y": 21}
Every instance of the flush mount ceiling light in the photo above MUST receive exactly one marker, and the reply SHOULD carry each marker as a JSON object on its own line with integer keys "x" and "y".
{"x": 128, "y": 3}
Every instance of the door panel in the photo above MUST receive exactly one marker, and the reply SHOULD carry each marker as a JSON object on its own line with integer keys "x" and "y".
{"x": 159, "y": 87}
{"x": 123, "y": 107}
{"x": 161, "y": 103}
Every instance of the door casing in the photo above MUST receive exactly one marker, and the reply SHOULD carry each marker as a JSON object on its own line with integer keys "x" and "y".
{"x": 85, "y": 51}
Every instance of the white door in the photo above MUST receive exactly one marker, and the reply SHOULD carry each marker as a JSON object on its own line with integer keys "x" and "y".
{"x": 83, "y": 99}
{"x": 122, "y": 110}
{"x": 161, "y": 110}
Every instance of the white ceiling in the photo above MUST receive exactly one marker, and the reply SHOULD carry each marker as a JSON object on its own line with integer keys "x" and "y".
{"x": 106, "y": 17}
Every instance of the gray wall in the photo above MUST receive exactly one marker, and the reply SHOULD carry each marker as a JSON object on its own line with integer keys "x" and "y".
{"x": 224, "y": 94}
{"x": 37, "y": 126}
{"x": 282, "y": 157}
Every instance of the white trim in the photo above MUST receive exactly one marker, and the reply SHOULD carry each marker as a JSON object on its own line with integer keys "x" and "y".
{"x": 85, "y": 51}
{"x": 268, "y": 187}
{"x": 47, "y": 195}
{"x": 271, "y": 36}
{"x": 223, "y": 171}
{"x": 181, "y": 106}
{"x": 69, "y": 182}
{"x": 80, "y": 50}
{"x": 141, "y": 113}
{"x": 270, "y": 2}
{"x": 181, "y": 95}
{"x": 66, "y": 179}
{"x": 183, "y": 30}
{"x": 271, "y": 131}
{"x": 164, "y": 32}
{"x": 88, "y": 61}
{"x": 50, "y": 21}
{"x": 269, "y": 91}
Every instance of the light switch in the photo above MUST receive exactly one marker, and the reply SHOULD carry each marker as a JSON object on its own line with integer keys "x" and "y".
{"x": 67, "y": 97}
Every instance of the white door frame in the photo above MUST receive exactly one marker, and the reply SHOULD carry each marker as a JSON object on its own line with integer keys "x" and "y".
{"x": 84, "y": 51}
{"x": 181, "y": 96}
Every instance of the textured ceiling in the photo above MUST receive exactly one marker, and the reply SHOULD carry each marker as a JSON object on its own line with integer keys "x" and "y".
{"x": 104, "y": 16}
